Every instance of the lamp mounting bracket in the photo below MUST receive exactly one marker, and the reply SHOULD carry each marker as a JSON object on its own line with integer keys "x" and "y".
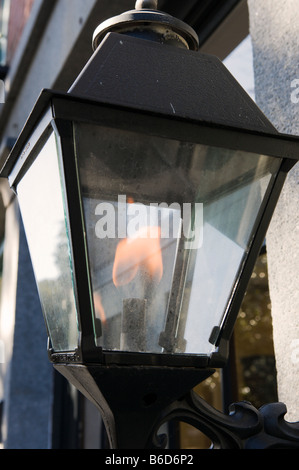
{"x": 146, "y": 22}
{"x": 146, "y": 398}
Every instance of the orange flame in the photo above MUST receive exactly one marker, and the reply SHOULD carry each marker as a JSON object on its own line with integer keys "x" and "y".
{"x": 142, "y": 251}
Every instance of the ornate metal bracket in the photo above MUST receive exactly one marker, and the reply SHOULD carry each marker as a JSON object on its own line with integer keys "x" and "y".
{"x": 244, "y": 428}
{"x": 136, "y": 401}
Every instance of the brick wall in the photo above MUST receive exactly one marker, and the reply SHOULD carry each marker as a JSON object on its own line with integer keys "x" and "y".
{"x": 19, "y": 14}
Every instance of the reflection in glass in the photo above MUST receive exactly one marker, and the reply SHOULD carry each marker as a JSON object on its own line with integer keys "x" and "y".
{"x": 168, "y": 225}
{"x": 45, "y": 226}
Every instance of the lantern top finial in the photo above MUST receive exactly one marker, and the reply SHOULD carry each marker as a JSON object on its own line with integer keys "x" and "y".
{"x": 146, "y": 4}
{"x": 147, "y": 22}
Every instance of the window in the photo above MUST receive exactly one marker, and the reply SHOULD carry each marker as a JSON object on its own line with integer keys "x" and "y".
{"x": 4, "y": 19}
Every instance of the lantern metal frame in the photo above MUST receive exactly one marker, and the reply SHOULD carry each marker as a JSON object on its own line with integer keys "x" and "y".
{"x": 57, "y": 111}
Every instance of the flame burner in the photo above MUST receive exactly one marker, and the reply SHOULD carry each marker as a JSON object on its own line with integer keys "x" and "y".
{"x": 133, "y": 330}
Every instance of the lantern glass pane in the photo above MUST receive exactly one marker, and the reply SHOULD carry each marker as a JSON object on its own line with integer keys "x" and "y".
{"x": 168, "y": 224}
{"x": 47, "y": 235}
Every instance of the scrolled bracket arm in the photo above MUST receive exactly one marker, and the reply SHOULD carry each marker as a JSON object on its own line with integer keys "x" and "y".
{"x": 277, "y": 433}
{"x": 245, "y": 427}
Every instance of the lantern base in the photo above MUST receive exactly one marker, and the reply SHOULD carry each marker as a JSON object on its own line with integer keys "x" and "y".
{"x": 131, "y": 400}
{"x": 135, "y": 402}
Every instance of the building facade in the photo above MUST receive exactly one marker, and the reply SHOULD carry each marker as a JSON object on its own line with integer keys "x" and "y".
{"x": 45, "y": 45}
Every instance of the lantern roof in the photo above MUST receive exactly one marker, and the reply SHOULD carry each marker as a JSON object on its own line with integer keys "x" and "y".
{"x": 146, "y": 75}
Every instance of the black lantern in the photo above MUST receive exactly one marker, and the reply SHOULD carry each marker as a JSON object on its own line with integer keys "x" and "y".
{"x": 146, "y": 193}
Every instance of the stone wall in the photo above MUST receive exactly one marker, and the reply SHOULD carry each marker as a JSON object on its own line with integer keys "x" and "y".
{"x": 274, "y": 26}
